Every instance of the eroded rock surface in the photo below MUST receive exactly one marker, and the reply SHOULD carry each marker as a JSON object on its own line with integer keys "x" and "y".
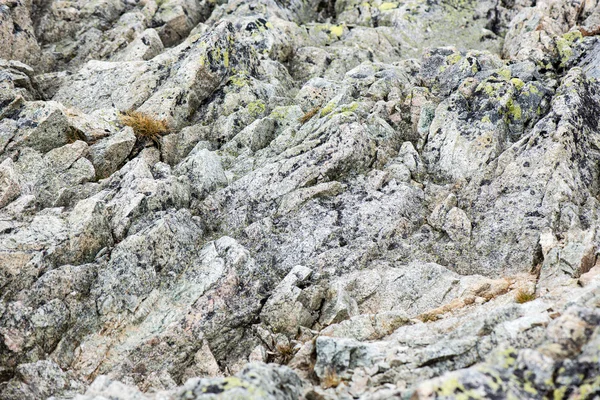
{"x": 346, "y": 200}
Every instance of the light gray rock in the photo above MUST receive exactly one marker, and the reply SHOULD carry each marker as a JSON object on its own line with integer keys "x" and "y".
{"x": 108, "y": 154}
{"x": 17, "y": 32}
{"x": 256, "y": 381}
{"x": 289, "y": 307}
{"x": 56, "y": 177}
{"x": 397, "y": 199}
{"x": 8, "y": 182}
{"x": 367, "y": 326}
{"x": 255, "y": 137}
{"x": 36, "y": 380}
{"x": 457, "y": 225}
{"x": 340, "y": 356}
{"x": 177, "y": 146}
{"x": 570, "y": 259}
{"x": 203, "y": 170}
{"x": 144, "y": 47}
{"x": 89, "y": 232}
{"x": 101, "y": 84}
{"x": 41, "y": 126}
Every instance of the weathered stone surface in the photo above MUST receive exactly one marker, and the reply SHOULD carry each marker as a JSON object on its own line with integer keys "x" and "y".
{"x": 107, "y": 155}
{"x": 55, "y": 177}
{"x": 37, "y": 380}
{"x": 203, "y": 170}
{"x": 256, "y": 381}
{"x": 17, "y": 32}
{"x": 396, "y": 199}
{"x": 41, "y": 126}
{"x": 289, "y": 308}
{"x": 8, "y": 182}
{"x": 144, "y": 47}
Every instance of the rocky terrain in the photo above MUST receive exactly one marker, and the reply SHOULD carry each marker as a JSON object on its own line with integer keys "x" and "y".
{"x": 345, "y": 199}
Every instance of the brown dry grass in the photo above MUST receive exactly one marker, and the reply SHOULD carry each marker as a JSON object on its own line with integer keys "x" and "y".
{"x": 74, "y": 135}
{"x": 285, "y": 352}
{"x": 331, "y": 379}
{"x": 307, "y": 117}
{"x": 144, "y": 126}
{"x": 592, "y": 32}
{"x": 428, "y": 317}
{"x": 523, "y": 296}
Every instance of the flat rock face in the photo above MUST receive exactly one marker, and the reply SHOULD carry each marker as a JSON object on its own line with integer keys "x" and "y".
{"x": 320, "y": 199}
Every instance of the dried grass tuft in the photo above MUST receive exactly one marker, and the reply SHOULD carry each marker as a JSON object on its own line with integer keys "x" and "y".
{"x": 523, "y": 296}
{"x": 308, "y": 116}
{"x": 285, "y": 352}
{"x": 331, "y": 379}
{"x": 428, "y": 317}
{"x": 144, "y": 126}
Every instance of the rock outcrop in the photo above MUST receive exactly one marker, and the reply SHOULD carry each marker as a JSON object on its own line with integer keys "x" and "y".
{"x": 345, "y": 199}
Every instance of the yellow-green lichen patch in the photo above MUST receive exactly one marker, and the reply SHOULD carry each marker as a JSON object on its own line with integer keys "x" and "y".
{"x": 573, "y": 36}
{"x": 334, "y": 31}
{"x": 487, "y": 87}
{"x": 387, "y": 6}
{"x": 559, "y": 394}
{"x": 511, "y": 396}
{"x": 239, "y": 80}
{"x": 226, "y": 58}
{"x": 233, "y": 382}
{"x": 216, "y": 54}
{"x": 332, "y": 106}
{"x": 517, "y": 83}
{"x": 256, "y": 108}
{"x": 349, "y": 107}
{"x": 530, "y": 89}
{"x": 337, "y": 30}
{"x": 528, "y": 387}
{"x": 329, "y": 107}
{"x": 514, "y": 110}
{"x": 564, "y": 50}
{"x": 279, "y": 113}
{"x": 587, "y": 390}
{"x": 505, "y": 73}
{"x": 453, "y": 58}
{"x": 449, "y": 387}
{"x": 486, "y": 119}
{"x": 508, "y": 357}
{"x": 564, "y": 45}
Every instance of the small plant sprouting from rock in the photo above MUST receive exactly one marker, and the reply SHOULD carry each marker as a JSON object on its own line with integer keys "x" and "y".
{"x": 524, "y": 296}
{"x": 74, "y": 135}
{"x": 331, "y": 379}
{"x": 285, "y": 352}
{"x": 307, "y": 117}
{"x": 428, "y": 317}
{"x": 144, "y": 126}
